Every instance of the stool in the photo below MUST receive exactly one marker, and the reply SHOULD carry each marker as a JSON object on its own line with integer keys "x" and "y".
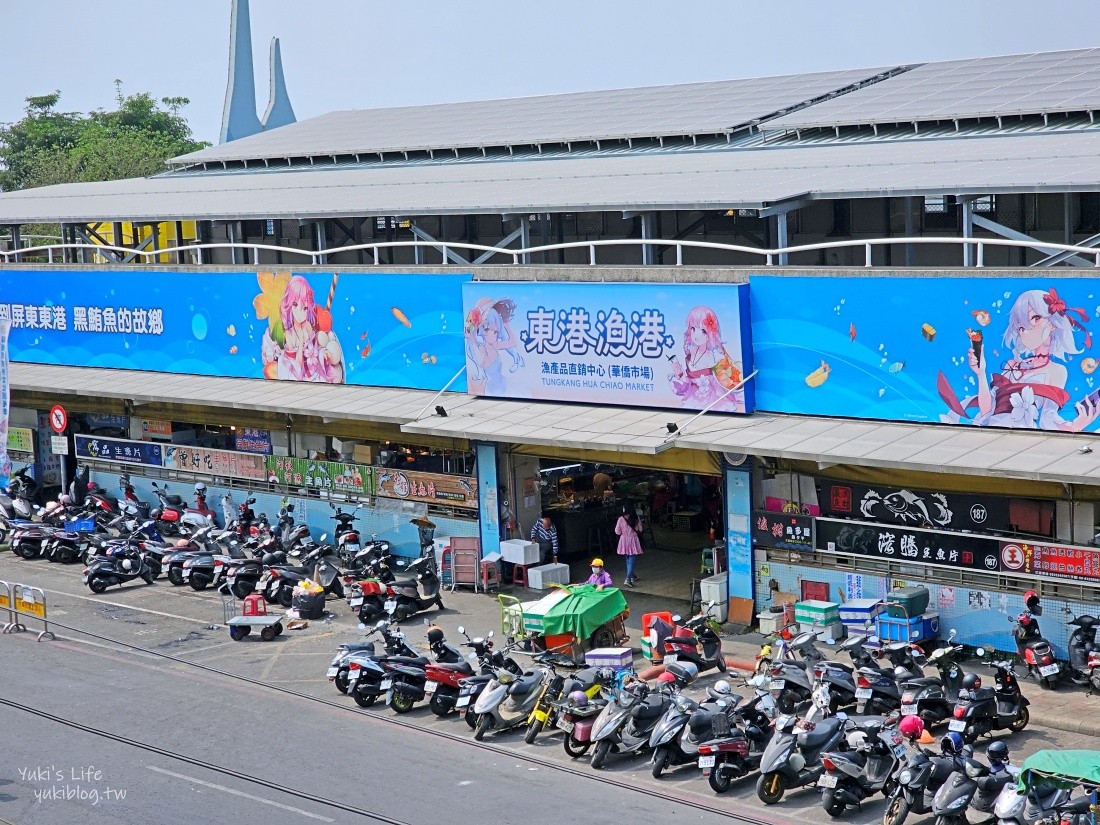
{"x": 695, "y": 596}
{"x": 519, "y": 574}
{"x": 490, "y": 574}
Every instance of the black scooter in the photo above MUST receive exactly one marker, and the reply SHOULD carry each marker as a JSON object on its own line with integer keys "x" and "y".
{"x": 408, "y": 598}
{"x": 972, "y": 786}
{"x": 704, "y": 629}
{"x": 916, "y": 781}
{"x": 933, "y": 700}
{"x": 1082, "y": 642}
{"x": 107, "y": 570}
{"x": 792, "y": 758}
{"x": 984, "y": 710}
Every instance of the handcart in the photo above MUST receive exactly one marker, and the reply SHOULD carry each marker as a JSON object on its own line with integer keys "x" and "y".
{"x": 1050, "y": 778}
{"x": 576, "y": 618}
{"x": 254, "y": 615}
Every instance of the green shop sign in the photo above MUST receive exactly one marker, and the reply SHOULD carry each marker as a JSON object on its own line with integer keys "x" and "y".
{"x": 334, "y": 476}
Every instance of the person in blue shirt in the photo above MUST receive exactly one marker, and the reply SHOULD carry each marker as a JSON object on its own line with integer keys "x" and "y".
{"x": 600, "y": 577}
{"x": 545, "y": 535}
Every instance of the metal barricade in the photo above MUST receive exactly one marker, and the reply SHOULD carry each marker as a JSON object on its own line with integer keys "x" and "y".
{"x": 7, "y": 605}
{"x": 30, "y": 602}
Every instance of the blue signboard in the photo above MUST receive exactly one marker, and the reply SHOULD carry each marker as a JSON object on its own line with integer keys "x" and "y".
{"x": 739, "y": 533}
{"x": 988, "y": 352}
{"x": 372, "y": 329}
{"x": 117, "y": 449}
{"x": 644, "y": 345}
{"x": 249, "y": 440}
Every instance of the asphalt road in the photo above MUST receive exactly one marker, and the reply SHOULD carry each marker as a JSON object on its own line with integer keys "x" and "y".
{"x": 414, "y": 769}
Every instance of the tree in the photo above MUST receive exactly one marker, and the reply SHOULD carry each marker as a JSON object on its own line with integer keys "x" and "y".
{"x": 133, "y": 140}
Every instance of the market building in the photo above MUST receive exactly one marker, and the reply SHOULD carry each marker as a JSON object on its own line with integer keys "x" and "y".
{"x": 793, "y": 319}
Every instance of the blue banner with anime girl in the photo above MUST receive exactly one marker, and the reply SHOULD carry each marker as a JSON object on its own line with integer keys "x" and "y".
{"x": 377, "y": 329}
{"x": 644, "y": 345}
{"x": 987, "y": 352}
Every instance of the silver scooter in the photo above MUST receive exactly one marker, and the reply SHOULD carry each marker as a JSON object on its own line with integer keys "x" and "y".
{"x": 508, "y": 699}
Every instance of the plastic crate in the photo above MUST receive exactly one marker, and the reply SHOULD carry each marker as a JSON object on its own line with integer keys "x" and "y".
{"x": 687, "y": 521}
{"x": 80, "y": 525}
{"x": 817, "y": 612}
{"x": 613, "y": 657}
{"x": 915, "y": 629}
{"x": 907, "y": 601}
{"x": 858, "y": 612}
{"x": 541, "y": 577}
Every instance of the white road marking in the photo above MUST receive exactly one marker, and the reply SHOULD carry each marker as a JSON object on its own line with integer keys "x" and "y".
{"x": 234, "y": 792}
{"x": 130, "y": 607}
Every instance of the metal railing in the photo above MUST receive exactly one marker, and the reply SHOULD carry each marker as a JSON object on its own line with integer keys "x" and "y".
{"x": 769, "y": 257}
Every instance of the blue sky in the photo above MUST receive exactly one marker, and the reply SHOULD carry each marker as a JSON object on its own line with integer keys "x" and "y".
{"x": 343, "y": 54}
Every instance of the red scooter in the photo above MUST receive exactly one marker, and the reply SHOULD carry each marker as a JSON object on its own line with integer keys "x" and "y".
{"x": 1033, "y": 650}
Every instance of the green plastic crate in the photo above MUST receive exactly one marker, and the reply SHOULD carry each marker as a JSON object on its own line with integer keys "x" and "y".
{"x": 817, "y": 612}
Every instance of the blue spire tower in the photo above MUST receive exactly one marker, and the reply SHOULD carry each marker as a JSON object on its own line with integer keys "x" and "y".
{"x": 239, "y": 114}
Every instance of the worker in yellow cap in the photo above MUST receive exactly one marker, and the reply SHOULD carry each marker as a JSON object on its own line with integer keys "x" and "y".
{"x": 600, "y": 577}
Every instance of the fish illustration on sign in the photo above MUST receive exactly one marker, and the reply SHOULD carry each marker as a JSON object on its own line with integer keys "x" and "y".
{"x": 852, "y": 332}
{"x": 819, "y": 376}
{"x": 400, "y": 316}
{"x": 896, "y": 367}
{"x": 908, "y": 508}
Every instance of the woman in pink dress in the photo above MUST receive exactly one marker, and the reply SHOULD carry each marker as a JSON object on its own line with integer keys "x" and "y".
{"x": 627, "y": 529}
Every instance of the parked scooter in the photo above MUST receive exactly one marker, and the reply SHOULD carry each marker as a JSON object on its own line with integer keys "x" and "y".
{"x": 407, "y": 596}
{"x": 508, "y": 699}
{"x": 984, "y": 710}
{"x": 576, "y": 715}
{"x": 177, "y": 516}
{"x": 1083, "y": 653}
{"x": 686, "y": 724}
{"x": 973, "y": 786}
{"x": 916, "y": 780}
{"x": 933, "y": 700}
{"x": 406, "y": 684}
{"x": 792, "y": 758}
{"x": 366, "y": 672}
{"x": 590, "y": 680}
{"x": 345, "y": 536}
{"x": 107, "y": 570}
{"x": 491, "y": 661}
{"x": 853, "y": 775}
{"x": 1035, "y": 651}
{"x": 702, "y": 630}
{"x": 449, "y": 681}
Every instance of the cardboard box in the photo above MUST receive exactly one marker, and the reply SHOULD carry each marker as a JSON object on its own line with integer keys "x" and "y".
{"x": 364, "y": 454}
{"x": 541, "y": 577}
{"x": 518, "y": 551}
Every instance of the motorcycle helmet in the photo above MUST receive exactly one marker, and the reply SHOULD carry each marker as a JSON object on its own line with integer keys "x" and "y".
{"x": 971, "y": 681}
{"x": 127, "y": 565}
{"x": 435, "y": 636}
{"x": 997, "y": 752}
{"x": 666, "y": 677}
{"x": 579, "y": 698}
{"x": 911, "y": 727}
{"x": 901, "y": 674}
{"x": 952, "y": 743}
{"x": 1024, "y": 620}
{"x": 723, "y": 687}
{"x": 1031, "y": 600}
{"x": 269, "y": 559}
{"x": 181, "y": 543}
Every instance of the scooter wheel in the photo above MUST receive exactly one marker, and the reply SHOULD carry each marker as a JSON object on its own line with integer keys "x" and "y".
{"x": 240, "y": 589}
{"x": 199, "y": 582}
{"x": 896, "y": 811}
{"x": 1023, "y": 716}
{"x": 471, "y": 718}
{"x": 575, "y": 748}
{"x": 26, "y": 551}
{"x": 533, "y": 730}
{"x": 599, "y": 756}
{"x": 341, "y": 681}
{"x": 833, "y": 807}
{"x": 719, "y": 780}
{"x": 175, "y": 576}
{"x": 484, "y": 722}
{"x": 439, "y": 705}
{"x": 401, "y": 702}
{"x": 1046, "y": 683}
{"x": 364, "y": 700}
{"x": 147, "y": 576}
{"x": 285, "y": 597}
{"x": 97, "y": 584}
{"x": 660, "y": 761}
{"x": 770, "y": 787}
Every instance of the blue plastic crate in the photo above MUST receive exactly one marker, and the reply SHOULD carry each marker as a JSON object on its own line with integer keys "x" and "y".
{"x": 916, "y": 629}
{"x": 80, "y": 525}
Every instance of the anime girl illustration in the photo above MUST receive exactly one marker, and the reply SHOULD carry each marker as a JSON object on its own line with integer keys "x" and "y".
{"x": 1029, "y": 391}
{"x": 299, "y": 343}
{"x": 708, "y": 372}
{"x": 489, "y": 339}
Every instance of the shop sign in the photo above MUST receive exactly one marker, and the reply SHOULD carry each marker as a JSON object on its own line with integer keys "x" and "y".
{"x": 1052, "y": 561}
{"x": 152, "y": 428}
{"x": 914, "y": 508}
{"x": 96, "y": 421}
{"x": 878, "y": 348}
{"x": 785, "y": 531}
{"x": 215, "y": 462}
{"x": 20, "y": 440}
{"x": 333, "y": 476}
{"x": 739, "y": 556}
{"x": 430, "y": 488}
{"x": 120, "y": 450}
{"x": 916, "y": 546}
{"x": 48, "y": 464}
{"x": 248, "y": 440}
{"x": 376, "y": 329}
{"x": 644, "y": 345}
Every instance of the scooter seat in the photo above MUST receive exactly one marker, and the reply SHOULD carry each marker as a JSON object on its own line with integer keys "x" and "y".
{"x": 457, "y": 667}
{"x": 821, "y": 733}
{"x": 174, "y": 500}
{"x": 650, "y": 708}
{"x": 524, "y": 684}
{"x": 355, "y": 647}
{"x": 927, "y": 681}
{"x": 409, "y": 660}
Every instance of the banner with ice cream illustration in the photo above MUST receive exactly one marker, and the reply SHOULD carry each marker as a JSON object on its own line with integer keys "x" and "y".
{"x": 646, "y": 345}
{"x": 988, "y": 352}
{"x": 376, "y": 329}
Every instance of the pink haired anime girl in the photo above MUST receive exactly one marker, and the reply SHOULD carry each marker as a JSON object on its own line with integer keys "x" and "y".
{"x": 309, "y": 349}
{"x": 1030, "y": 389}
{"x": 708, "y": 372}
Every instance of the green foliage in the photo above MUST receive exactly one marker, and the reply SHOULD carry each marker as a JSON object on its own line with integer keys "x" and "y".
{"x": 133, "y": 140}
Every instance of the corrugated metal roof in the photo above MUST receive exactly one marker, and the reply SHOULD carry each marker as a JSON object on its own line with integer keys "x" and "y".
{"x": 685, "y": 109}
{"x": 1045, "y": 82}
{"x": 698, "y": 180}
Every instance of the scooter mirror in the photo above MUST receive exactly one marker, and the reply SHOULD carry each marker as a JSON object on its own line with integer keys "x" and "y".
{"x": 979, "y": 651}
{"x": 489, "y": 635}
{"x": 381, "y": 625}
{"x": 951, "y": 634}
{"x": 677, "y": 617}
{"x": 830, "y": 642}
{"x": 362, "y": 626}
{"x": 462, "y": 630}
{"x": 324, "y": 536}
{"x": 711, "y": 603}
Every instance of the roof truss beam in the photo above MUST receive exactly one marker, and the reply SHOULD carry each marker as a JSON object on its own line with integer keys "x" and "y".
{"x": 1015, "y": 235}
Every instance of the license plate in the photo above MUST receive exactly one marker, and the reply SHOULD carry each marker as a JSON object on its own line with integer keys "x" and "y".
{"x": 386, "y": 684}
{"x": 430, "y": 686}
{"x": 863, "y": 693}
{"x": 351, "y": 548}
{"x": 84, "y": 579}
{"x": 957, "y": 725}
{"x": 391, "y": 605}
{"x": 899, "y": 751}
{"x": 826, "y": 780}
{"x": 1048, "y": 670}
{"x": 566, "y": 725}
{"x": 353, "y": 676}
{"x": 908, "y": 710}
{"x": 358, "y": 600}
{"x": 185, "y": 573}
{"x": 332, "y": 671}
{"x": 462, "y": 702}
{"x": 670, "y": 658}
{"x": 776, "y": 684}
{"x": 706, "y": 761}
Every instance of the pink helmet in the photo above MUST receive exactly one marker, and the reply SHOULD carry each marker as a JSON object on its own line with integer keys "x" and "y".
{"x": 911, "y": 727}
{"x": 666, "y": 677}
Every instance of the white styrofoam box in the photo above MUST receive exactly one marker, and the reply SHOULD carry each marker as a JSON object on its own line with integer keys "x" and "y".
{"x": 823, "y": 631}
{"x": 541, "y": 577}
{"x": 715, "y": 588}
{"x": 719, "y": 611}
{"x": 770, "y": 622}
{"x": 518, "y": 551}
{"x": 440, "y": 544}
{"x": 857, "y": 612}
{"x": 616, "y": 657}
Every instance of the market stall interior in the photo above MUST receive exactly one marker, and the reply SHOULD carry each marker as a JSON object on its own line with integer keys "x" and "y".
{"x": 681, "y": 518}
